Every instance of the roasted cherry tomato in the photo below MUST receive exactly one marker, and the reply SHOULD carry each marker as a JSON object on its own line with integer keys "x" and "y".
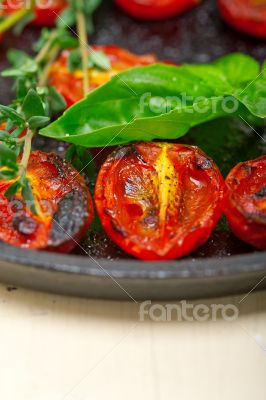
{"x": 46, "y": 11}
{"x": 63, "y": 203}
{"x": 155, "y": 9}
{"x": 159, "y": 200}
{"x": 248, "y": 16}
{"x": 245, "y": 201}
{"x": 69, "y": 84}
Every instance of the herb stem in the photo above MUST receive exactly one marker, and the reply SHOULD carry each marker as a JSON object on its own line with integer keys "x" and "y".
{"x": 20, "y": 140}
{"x": 26, "y": 152}
{"x": 84, "y": 48}
{"x": 13, "y": 18}
{"x": 41, "y": 56}
{"x": 45, "y": 72}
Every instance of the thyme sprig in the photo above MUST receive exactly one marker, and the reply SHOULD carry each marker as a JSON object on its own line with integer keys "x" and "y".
{"x": 18, "y": 129}
{"x": 36, "y": 101}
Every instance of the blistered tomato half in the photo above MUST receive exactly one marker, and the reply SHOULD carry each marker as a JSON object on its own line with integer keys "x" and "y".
{"x": 155, "y": 9}
{"x": 70, "y": 84}
{"x": 63, "y": 202}
{"x": 159, "y": 201}
{"x": 247, "y": 16}
{"x": 245, "y": 201}
{"x": 46, "y": 11}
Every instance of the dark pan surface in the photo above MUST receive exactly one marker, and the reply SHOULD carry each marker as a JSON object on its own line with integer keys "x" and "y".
{"x": 224, "y": 265}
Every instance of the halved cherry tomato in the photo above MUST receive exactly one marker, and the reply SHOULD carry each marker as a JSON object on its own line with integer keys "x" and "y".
{"x": 69, "y": 84}
{"x": 245, "y": 201}
{"x": 247, "y": 16}
{"x": 46, "y": 11}
{"x": 155, "y": 9}
{"x": 159, "y": 200}
{"x": 64, "y": 207}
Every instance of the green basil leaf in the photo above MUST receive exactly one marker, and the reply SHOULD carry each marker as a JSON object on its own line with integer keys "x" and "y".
{"x": 264, "y": 69}
{"x": 253, "y": 96}
{"x": 238, "y": 67}
{"x": 32, "y": 105}
{"x": 212, "y": 77}
{"x": 126, "y": 128}
{"x": 135, "y": 105}
{"x": 159, "y": 102}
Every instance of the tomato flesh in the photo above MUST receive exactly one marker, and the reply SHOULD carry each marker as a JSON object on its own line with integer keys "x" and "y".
{"x": 155, "y": 9}
{"x": 46, "y": 11}
{"x": 159, "y": 200}
{"x": 245, "y": 201}
{"x": 247, "y": 16}
{"x": 69, "y": 84}
{"x": 64, "y": 207}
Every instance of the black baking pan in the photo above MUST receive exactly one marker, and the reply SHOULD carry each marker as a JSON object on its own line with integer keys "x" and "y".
{"x": 97, "y": 268}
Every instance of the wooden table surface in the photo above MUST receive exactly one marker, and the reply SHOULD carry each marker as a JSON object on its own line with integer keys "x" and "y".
{"x": 59, "y": 348}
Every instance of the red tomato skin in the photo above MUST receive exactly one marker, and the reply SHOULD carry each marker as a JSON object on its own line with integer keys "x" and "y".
{"x": 246, "y": 211}
{"x": 244, "y": 16}
{"x": 47, "y": 17}
{"x": 156, "y": 9}
{"x": 140, "y": 233}
{"x": 53, "y": 181}
{"x": 44, "y": 16}
{"x": 69, "y": 84}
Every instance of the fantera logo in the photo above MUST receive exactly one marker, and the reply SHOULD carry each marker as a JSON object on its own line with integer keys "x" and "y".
{"x": 185, "y": 311}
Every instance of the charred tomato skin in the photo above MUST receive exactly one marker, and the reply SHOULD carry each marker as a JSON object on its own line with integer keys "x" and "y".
{"x": 44, "y": 16}
{"x": 159, "y": 201}
{"x": 245, "y": 201}
{"x": 70, "y": 84}
{"x": 155, "y": 9}
{"x": 248, "y": 16}
{"x": 64, "y": 206}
